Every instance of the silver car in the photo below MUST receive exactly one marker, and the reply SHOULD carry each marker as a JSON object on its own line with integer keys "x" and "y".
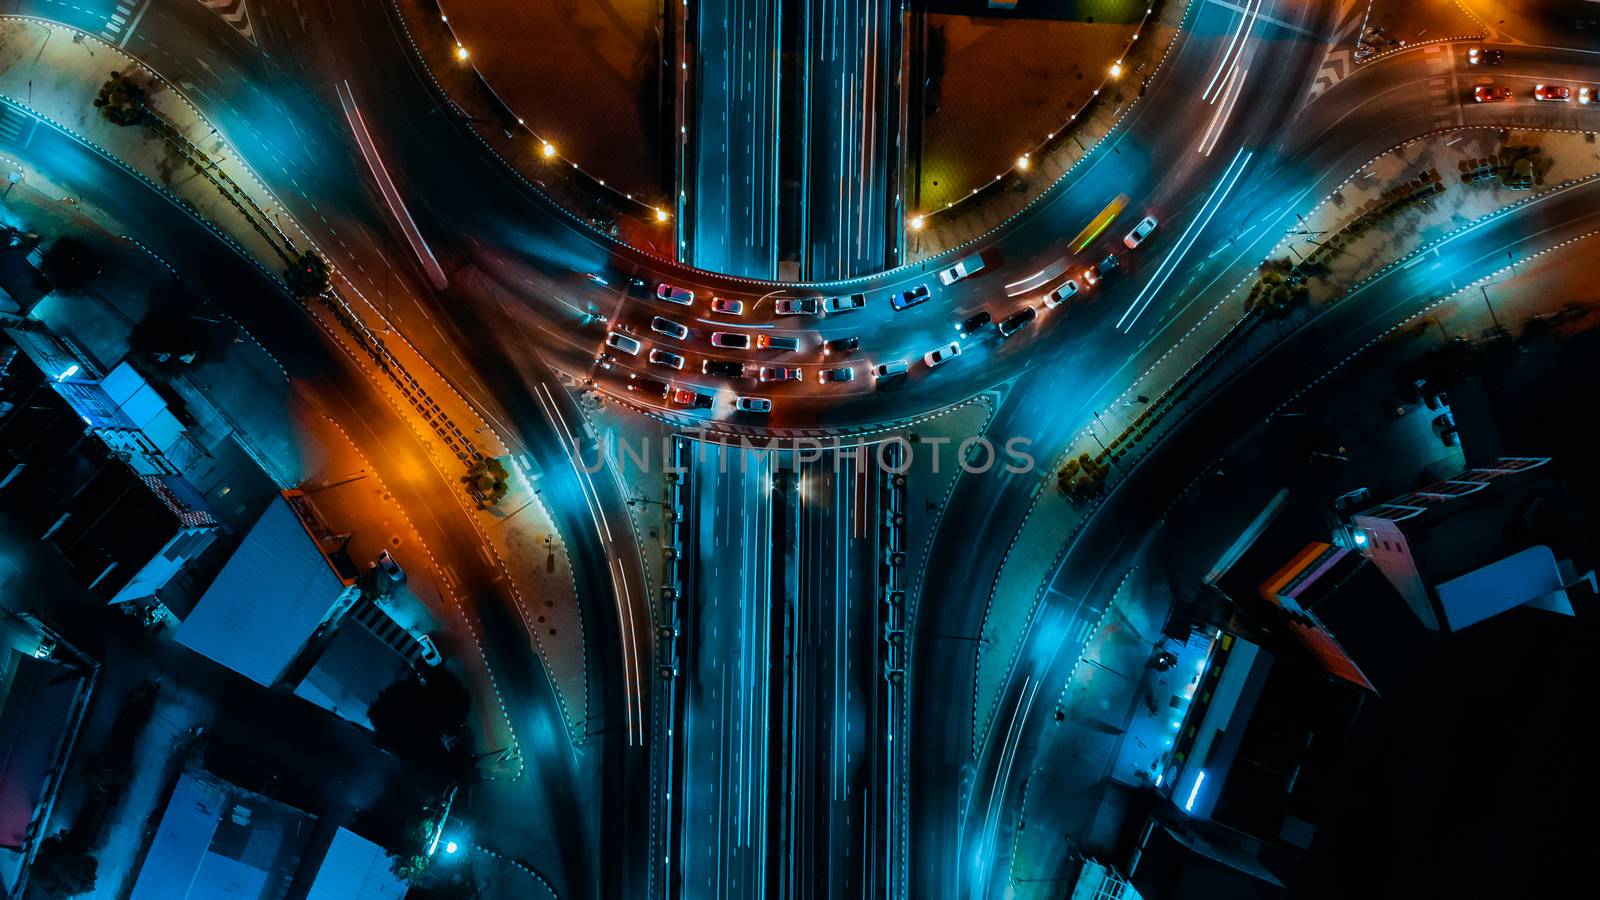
{"x": 941, "y": 355}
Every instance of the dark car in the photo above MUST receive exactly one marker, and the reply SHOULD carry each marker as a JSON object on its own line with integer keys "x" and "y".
{"x": 723, "y": 367}
{"x": 797, "y": 306}
{"x": 1478, "y": 56}
{"x": 1013, "y": 323}
{"x": 973, "y": 322}
{"x": 841, "y": 346}
{"x": 649, "y": 386}
{"x": 906, "y": 299}
{"x": 780, "y": 373}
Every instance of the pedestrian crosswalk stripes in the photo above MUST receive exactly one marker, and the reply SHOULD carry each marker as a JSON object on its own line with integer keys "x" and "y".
{"x": 118, "y": 20}
{"x": 386, "y": 629}
{"x": 11, "y": 123}
{"x": 236, "y": 13}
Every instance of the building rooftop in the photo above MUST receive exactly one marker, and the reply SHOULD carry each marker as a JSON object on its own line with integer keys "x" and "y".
{"x": 355, "y": 869}
{"x": 217, "y": 840}
{"x": 269, "y": 599}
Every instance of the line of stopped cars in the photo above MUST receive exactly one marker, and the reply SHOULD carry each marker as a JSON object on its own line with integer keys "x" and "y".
{"x": 669, "y": 338}
{"x": 1585, "y": 94}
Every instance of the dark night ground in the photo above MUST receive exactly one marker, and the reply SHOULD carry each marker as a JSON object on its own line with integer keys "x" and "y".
{"x": 1473, "y": 776}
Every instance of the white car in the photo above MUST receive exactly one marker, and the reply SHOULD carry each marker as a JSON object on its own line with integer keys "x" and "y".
{"x": 753, "y": 405}
{"x": 1061, "y": 294}
{"x": 678, "y": 295}
{"x": 628, "y": 345}
{"x": 727, "y": 306}
{"x": 967, "y": 267}
{"x": 891, "y": 369}
{"x": 1140, "y": 232}
{"x": 847, "y": 303}
{"x": 942, "y": 355}
{"x": 730, "y": 340}
{"x": 662, "y": 325}
{"x": 666, "y": 358}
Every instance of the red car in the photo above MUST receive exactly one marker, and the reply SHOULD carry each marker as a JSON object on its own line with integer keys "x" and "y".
{"x": 1491, "y": 93}
{"x": 1555, "y": 92}
{"x": 690, "y": 398}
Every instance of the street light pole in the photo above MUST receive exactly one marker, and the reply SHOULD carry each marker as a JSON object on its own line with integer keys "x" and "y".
{"x": 1486, "y": 302}
{"x": 1103, "y": 447}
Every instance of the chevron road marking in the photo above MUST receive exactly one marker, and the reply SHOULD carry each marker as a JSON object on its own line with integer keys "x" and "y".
{"x": 236, "y": 13}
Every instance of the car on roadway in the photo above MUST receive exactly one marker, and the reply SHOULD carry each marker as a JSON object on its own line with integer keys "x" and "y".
{"x": 841, "y": 346}
{"x": 1016, "y": 321}
{"x": 1491, "y": 93}
{"x": 1478, "y": 56}
{"x": 779, "y": 373}
{"x": 650, "y": 386}
{"x": 666, "y": 359}
{"x": 1090, "y": 277}
{"x": 691, "y": 398}
{"x": 387, "y": 565}
{"x": 730, "y": 340}
{"x": 1555, "y": 93}
{"x": 671, "y": 294}
{"x": 1140, "y": 231}
{"x": 727, "y": 306}
{"x": 753, "y": 405}
{"x": 428, "y": 650}
{"x": 941, "y": 355}
{"x": 843, "y": 373}
{"x": 910, "y": 298}
{"x": 723, "y": 367}
{"x": 968, "y": 267}
{"x": 628, "y": 345}
{"x": 892, "y": 369}
{"x": 1060, "y": 295}
{"x": 797, "y": 306}
{"x": 674, "y": 330}
{"x": 1589, "y": 93}
{"x": 847, "y": 303}
{"x": 972, "y": 323}
{"x": 776, "y": 342}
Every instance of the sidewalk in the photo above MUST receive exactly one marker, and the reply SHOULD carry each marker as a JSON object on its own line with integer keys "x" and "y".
{"x": 57, "y": 72}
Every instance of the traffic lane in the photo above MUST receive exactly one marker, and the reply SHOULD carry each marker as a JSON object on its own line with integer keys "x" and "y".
{"x": 1104, "y": 546}
{"x": 983, "y": 513}
{"x": 469, "y": 204}
{"x": 725, "y": 713}
{"x": 733, "y": 222}
{"x": 848, "y": 210}
{"x": 591, "y": 512}
{"x": 833, "y": 669}
{"x": 106, "y": 19}
{"x": 288, "y": 134}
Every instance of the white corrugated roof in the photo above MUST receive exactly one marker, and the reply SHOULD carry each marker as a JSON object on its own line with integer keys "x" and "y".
{"x": 267, "y": 601}
{"x": 355, "y": 869}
